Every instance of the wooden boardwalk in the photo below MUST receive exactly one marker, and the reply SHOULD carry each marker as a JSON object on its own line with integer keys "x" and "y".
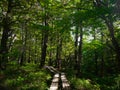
{"x": 59, "y": 81}
{"x": 65, "y": 82}
{"x": 56, "y": 82}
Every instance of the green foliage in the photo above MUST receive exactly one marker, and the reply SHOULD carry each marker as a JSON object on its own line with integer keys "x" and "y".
{"x": 18, "y": 81}
{"x": 83, "y": 84}
{"x": 109, "y": 83}
{"x": 26, "y": 78}
{"x": 25, "y": 24}
{"x": 117, "y": 84}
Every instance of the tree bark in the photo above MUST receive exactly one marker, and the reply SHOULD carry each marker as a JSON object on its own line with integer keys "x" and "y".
{"x": 5, "y": 35}
{"x": 50, "y": 52}
{"x": 76, "y": 49}
{"x": 44, "y": 43}
{"x": 95, "y": 55}
{"x": 24, "y": 32}
{"x": 115, "y": 43}
{"x": 58, "y": 52}
{"x": 102, "y": 58}
{"x": 44, "y": 48}
{"x": 109, "y": 22}
{"x": 79, "y": 73}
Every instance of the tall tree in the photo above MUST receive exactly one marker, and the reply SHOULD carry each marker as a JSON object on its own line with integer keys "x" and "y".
{"x": 7, "y": 31}
{"x": 79, "y": 73}
{"x": 108, "y": 16}
{"x": 45, "y": 33}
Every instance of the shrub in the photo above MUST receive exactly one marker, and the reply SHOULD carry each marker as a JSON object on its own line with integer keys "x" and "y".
{"x": 27, "y": 78}
{"x": 82, "y": 84}
{"x": 117, "y": 80}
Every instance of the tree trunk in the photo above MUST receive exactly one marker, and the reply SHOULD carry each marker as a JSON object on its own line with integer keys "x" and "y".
{"x": 96, "y": 62}
{"x": 110, "y": 26}
{"x": 44, "y": 48}
{"x": 95, "y": 55}
{"x": 24, "y": 40}
{"x": 5, "y": 35}
{"x": 44, "y": 43}
{"x": 102, "y": 58}
{"x": 109, "y": 23}
{"x": 35, "y": 61}
{"x": 79, "y": 73}
{"x": 58, "y": 52}
{"x": 50, "y": 52}
{"x": 76, "y": 49}
{"x": 4, "y": 47}
{"x": 29, "y": 55}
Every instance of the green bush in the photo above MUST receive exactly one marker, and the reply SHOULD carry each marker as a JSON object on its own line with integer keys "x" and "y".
{"x": 27, "y": 78}
{"x": 117, "y": 80}
{"x": 15, "y": 82}
{"x": 82, "y": 84}
{"x": 109, "y": 83}
{"x": 36, "y": 80}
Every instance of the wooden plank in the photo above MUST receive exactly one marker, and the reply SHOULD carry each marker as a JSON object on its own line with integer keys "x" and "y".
{"x": 52, "y": 69}
{"x": 65, "y": 83}
{"x": 55, "y": 82}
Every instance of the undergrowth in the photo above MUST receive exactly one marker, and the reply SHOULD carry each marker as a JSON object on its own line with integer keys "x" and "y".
{"x": 27, "y": 77}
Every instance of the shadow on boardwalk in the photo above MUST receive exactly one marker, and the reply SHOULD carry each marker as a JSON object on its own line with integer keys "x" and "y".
{"x": 59, "y": 81}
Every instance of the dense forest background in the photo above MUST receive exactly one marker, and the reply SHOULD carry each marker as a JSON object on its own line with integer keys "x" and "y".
{"x": 79, "y": 37}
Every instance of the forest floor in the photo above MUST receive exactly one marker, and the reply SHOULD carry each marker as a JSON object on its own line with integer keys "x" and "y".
{"x": 27, "y": 77}
{"x": 30, "y": 77}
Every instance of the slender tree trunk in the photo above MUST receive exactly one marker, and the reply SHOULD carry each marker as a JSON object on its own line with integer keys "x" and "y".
{"x": 102, "y": 57}
{"x": 102, "y": 66}
{"x": 29, "y": 55}
{"x": 44, "y": 43}
{"x": 58, "y": 52}
{"x": 95, "y": 56}
{"x": 5, "y": 35}
{"x": 24, "y": 40}
{"x": 35, "y": 61}
{"x": 50, "y": 52}
{"x": 96, "y": 62}
{"x": 76, "y": 49}
{"x": 79, "y": 73}
{"x": 44, "y": 48}
{"x": 4, "y": 47}
{"x": 50, "y": 59}
{"x": 21, "y": 59}
{"x": 22, "y": 47}
{"x": 117, "y": 7}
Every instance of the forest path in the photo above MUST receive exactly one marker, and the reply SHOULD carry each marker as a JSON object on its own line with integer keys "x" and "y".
{"x": 59, "y": 81}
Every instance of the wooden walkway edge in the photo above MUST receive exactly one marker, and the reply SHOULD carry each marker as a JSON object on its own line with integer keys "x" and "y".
{"x": 65, "y": 82}
{"x": 56, "y": 82}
